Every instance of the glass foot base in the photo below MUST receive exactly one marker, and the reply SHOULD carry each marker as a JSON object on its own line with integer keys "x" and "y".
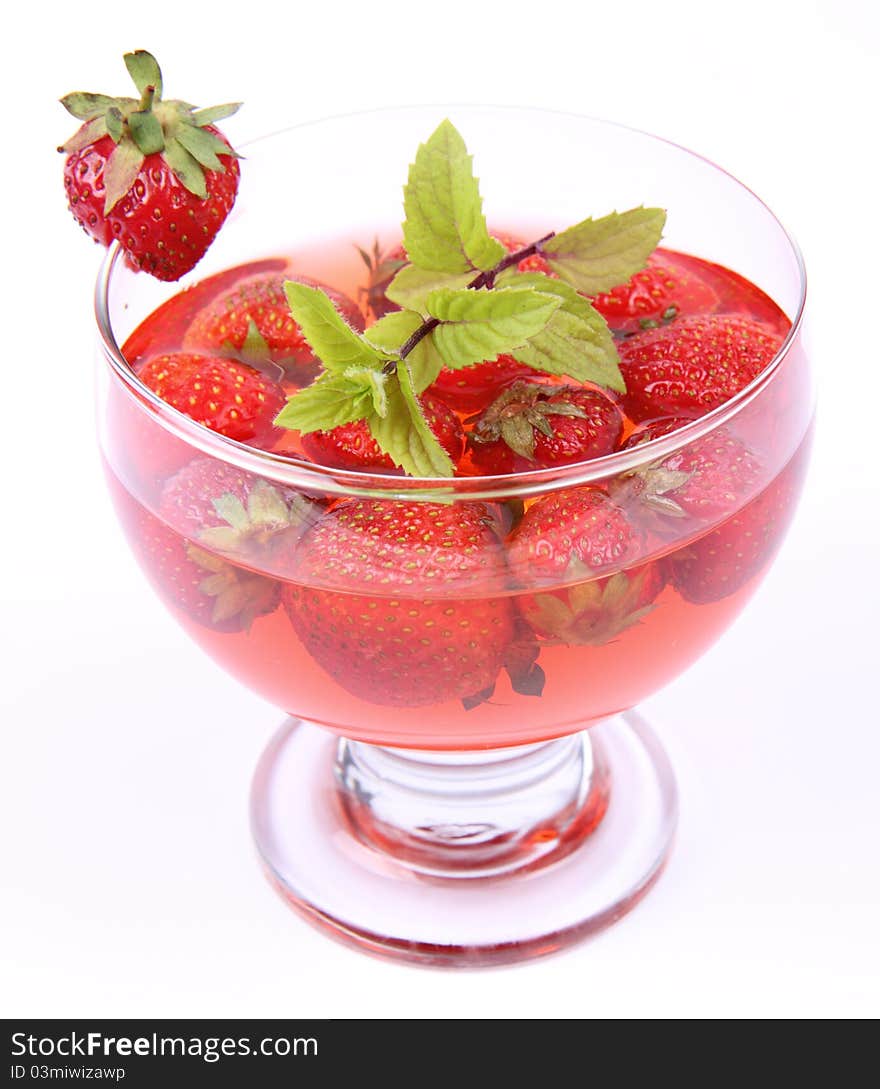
{"x": 464, "y": 859}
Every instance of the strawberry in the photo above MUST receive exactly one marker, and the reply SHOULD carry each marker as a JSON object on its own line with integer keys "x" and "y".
{"x": 225, "y": 323}
{"x": 210, "y": 590}
{"x": 569, "y": 534}
{"x": 706, "y": 479}
{"x": 351, "y": 446}
{"x": 535, "y": 425}
{"x": 154, "y": 174}
{"x": 222, "y": 394}
{"x": 164, "y": 330}
{"x": 722, "y": 561}
{"x": 663, "y": 291}
{"x": 402, "y": 602}
{"x": 579, "y": 534}
{"x": 474, "y": 388}
{"x": 231, "y": 511}
{"x": 693, "y": 365}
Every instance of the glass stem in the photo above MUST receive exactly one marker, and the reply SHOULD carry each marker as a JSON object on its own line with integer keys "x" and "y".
{"x": 473, "y": 814}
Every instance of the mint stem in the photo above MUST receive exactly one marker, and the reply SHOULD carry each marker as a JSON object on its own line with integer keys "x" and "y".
{"x": 484, "y": 279}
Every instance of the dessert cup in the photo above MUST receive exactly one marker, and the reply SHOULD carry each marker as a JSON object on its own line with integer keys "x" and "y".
{"x": 445, "y": 815}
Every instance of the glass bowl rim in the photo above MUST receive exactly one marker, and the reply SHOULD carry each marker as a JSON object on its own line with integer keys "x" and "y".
{"x": 305, "y": 475}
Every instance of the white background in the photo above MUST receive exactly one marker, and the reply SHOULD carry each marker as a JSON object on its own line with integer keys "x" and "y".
{"x": 129, "y": 883}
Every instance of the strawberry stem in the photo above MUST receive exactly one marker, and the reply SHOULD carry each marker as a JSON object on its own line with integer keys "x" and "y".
{"x": 484, "y": 279}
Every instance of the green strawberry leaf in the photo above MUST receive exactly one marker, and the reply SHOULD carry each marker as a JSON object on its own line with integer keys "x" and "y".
{"x": 598, "y": 254}
{"x": 411, "y": 286}
{"x": 122, "y": 169}
{"x": 575, "y": 342}
{"x": 479, "y": 325}
{"x": 144, "y": 71}
{"x": 445, "y": 230}
{"x": 331, "y": 400}
{"x": 90, "y": 132}
{"x": 403, "y": 432}
{"x": 390, "y": 333}
{"x": 86, "y": 106}
{"x": 331, "y": 338}
{"x": 187, "y": 169}
{"x": 210, "y": 114}
{"x": 203, "y": 146}
{"x": 146, "y": 131}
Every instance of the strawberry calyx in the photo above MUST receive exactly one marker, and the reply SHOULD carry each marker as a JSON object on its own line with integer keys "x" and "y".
{"x": 253, "y": 523}
{"x": 593, "y": 613}
{"x": 518, "y": 412}
{"x": 236, "y": 594}
{"x": 180, "y": 133}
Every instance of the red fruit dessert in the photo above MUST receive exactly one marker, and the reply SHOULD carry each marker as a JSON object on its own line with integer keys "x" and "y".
{"x": 400, "y": 643}
{"x": 222, "y": 394}
{"x": 693, "y": 365}
{"x": 534, "y": 425}
{"x": 351, "y": 446}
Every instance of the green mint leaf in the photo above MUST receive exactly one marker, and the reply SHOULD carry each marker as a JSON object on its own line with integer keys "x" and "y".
{"x": 210, "y": 114}
{"x": 403, "y": 433}
{"x": 479, "y": 325}
{"x": 332, "y": 339}
{"x": 445, "y": 230}
{"x": 373, "y": 384}
{"x": 575, "y": 341}
{"x": 390, "y": 334}
{"x": 598, "y": 254}
{"x": 411, "y": 286}
{"x": 144, "y": 71}
{"x": 330, "y": 401}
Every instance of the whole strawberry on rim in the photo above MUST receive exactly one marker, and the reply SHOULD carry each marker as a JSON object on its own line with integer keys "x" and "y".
{"x": 153, "y": 173}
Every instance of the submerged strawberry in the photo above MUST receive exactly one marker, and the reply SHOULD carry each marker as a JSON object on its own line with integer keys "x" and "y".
{"x": 222, "y": 394}
{"x": 535, "y": 425}
{"x": 212, "y": 591}
{"x": 351, "y": 446}
{"x": 706, "y": 479}
{"x": 376, "y": 600}
{"x": 660, "y": 293}
{"x": 578, "y": 534}
{"x": 260, "y": 300}
{"x": 693, "y": 365}
{"x": 231, "y": 511}
{"x": 571, "y": 533}
{"x": 154, "y": 174}
{"x": 722, "y": 561}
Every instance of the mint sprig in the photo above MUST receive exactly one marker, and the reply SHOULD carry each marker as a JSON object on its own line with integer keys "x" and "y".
{"x": 463, "y": 302}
